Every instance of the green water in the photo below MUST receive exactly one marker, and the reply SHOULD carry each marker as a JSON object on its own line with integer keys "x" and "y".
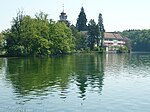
{"x": 76, "y": 83}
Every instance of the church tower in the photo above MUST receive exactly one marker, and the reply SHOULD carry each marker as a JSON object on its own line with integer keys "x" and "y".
{"x": 63, "y": 16}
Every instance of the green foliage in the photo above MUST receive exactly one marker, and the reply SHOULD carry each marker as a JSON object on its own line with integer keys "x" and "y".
{"x": 93, "y": 32}
{"x": 123, "y": 49}
{"x": 1, "y": 43}
{"x": 97, "y": 48}
{"x": 101, "y": 28}
{"x": 87, "y": 49}
{"x": 37, "y": 36}
{"x": 63, "y": 39}
{"x": 140, "y": 39}
{"x": 80, "y": 38}
{"x": 96, "y": 31}
{"x": 40, "y": 36}
{"x": 81, "y": 21}
{"x": 1, "y": 39}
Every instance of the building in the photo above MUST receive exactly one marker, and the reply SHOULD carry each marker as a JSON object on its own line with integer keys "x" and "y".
{"x": 113, "y": 41}
{"x": 63, "y": 17}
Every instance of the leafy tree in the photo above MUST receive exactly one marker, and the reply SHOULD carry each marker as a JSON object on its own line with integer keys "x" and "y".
{"x": 62, "y": 39}
{"x": 80, "y": 38}
{"x": 13, "y": 36}
{"x": 1, "y": 39}
{"x": 92, "y": 31}
{"x": 81, "y": 21}
{"x": 101, "y": 28}
{"x": 41, "y": 16}
{"x": 38, "y": 36}
{"x": 42, "y": 37}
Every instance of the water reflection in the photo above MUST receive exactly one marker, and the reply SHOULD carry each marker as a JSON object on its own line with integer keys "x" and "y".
{"x": 127, "y": 64}
{"x": 28, "y": 75}
{"x": 40, "y": 77}
{"x": 32, "y": 78}
{"x": 3, "y": 67}
{"x": 93, "y": 82}
{"x": 90, "y": 73}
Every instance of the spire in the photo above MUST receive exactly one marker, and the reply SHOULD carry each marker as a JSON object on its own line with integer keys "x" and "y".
{"x": 63, "y": 15}
{"x": 63, "y": 7}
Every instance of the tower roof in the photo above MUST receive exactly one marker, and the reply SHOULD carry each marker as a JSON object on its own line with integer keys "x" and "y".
{"x": 63, "y": 15}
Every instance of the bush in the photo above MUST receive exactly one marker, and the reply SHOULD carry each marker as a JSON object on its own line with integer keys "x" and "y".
{"x": 123, "y": 49}
{"x": 87, "y": 49}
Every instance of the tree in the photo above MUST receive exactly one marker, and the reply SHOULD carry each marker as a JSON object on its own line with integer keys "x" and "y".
{"x": 38, "y": 36}
{"x": 101, "y": 28}
{"x": 42, "y": 38}
{"x": 62, "y": 38}
{"x": 1, "y": 39}
{"x": 81, "y": 21}
{"x": 41, "y": 16}
{"x": 80, "y": 38}
{"x": 13, "y": 36}
{"x": 1, "y": 42}
{"x": 140, "y": 39}
{"x": 93, "y": 32}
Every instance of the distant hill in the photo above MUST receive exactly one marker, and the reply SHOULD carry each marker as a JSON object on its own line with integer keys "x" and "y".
{"x": 140, "y": 39}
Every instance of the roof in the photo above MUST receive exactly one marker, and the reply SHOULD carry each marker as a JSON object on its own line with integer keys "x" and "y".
{"x": 112, "y": 35}
{"x": 63, "y": 13}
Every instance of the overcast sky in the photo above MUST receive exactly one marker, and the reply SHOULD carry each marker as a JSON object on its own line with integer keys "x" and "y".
{"x": 118, "y": 15}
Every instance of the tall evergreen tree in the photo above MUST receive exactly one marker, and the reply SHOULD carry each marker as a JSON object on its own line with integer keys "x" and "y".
{"x": 101, "y": 28}
{"x": 92, "y": 31}
{"x": 81, "y": 21}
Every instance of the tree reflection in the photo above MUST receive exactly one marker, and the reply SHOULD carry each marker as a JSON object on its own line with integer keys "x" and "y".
{"x": 90, "y": 70}
{"x": 33, "y": 74}
{"x": 3, "y": 67}
{"x": 41, "y": 77}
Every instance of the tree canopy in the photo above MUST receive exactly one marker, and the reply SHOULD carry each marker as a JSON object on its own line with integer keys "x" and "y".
{"x": 37, "y": 36}
{"x": 140, "y": 39}
{"x": 93, "y": 33}
{"x": 1, "y": 42}
{"x": 81, "y": 21}
{"x": 41, "y": 36}
{"x": 101, "y": 28}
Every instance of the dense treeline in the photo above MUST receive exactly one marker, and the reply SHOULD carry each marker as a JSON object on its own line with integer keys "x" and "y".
{"x": 40, "y": 36}
{"x": 140, "y": 39}
{"x": 37, "y": 36}
{"x": 95, "y": 31}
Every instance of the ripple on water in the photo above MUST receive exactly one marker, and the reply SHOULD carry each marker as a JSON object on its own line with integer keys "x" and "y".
{"x": 82, "y": 83}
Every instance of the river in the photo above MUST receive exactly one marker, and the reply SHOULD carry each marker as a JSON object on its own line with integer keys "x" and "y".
{"x": 76, "y": 83}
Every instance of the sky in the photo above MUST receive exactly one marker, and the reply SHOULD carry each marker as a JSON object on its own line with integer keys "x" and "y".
{"x": 118, "y": 15}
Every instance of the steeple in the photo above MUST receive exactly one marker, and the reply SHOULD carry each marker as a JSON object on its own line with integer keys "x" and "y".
{"x": 63, "y": 7}
{"x": 63, "y": 15}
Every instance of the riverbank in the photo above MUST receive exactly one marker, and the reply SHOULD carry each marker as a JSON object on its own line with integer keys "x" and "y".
{"x": 77, "y": 52}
